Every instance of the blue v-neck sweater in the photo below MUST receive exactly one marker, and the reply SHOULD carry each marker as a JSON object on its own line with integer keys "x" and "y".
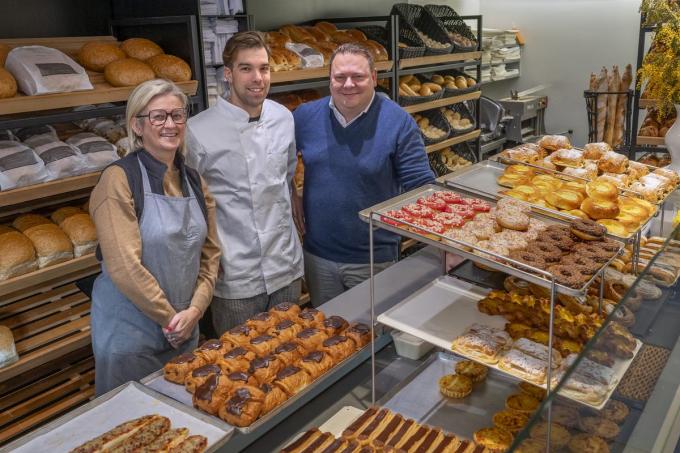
{"x": 373, "y": 159}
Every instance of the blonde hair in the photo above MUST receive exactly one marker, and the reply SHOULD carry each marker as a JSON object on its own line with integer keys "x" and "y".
{"x": 140, "y": 97}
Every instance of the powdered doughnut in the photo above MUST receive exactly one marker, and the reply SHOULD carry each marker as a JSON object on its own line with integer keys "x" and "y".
{"x": 512, "y": 219}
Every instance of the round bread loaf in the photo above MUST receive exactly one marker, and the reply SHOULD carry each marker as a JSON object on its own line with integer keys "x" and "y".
{"x": 140, "y": 48}
{"x": 170, "y": 67}
{"x": 62, "y": 214}
{"x": 17, "y": 255}
{"x": 128, "y": 72}
{"x": 96, "y": 55}
{"x": 8, "y": 86}
{"x": 4, "y": 50}
{"x": 26, "y": 221}
{"x": 8, "y": 350}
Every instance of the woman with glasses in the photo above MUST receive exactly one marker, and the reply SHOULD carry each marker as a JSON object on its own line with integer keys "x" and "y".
{"x": 157, "y": 243}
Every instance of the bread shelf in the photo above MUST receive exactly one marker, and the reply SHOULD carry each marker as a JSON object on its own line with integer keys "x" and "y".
{"x": 317, "y": 73}
{"x": 58, "y": 273}
{"x": 653, "y": 141}
{"x": 644, "y": 103}
{"x": 438, "y": 59}
{"x": 48, "y": 189}
{"x": 453, "y": 141}
{"x": 442, "y": 102}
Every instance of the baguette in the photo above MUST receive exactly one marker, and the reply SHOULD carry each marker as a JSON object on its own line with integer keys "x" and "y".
{"x": 601, "y": 104}
{"x": 614, "y": 82}
{"x": 114, "y": 437}
{"x": 407, "y": 89}
{"x": 433, "y": 87}
{"x": 621, "y": 102}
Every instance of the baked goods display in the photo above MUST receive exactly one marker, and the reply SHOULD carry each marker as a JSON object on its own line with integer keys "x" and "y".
{"x": 96, "y": 55}
{"x": 170, "y": 67}
{"x": 431, "y": 132}
{"x": 453, "y": 82}
{"x": 151, "y": 433}
{"x": 452, "y": 160}
{"x": 128, "y": 72}
{"x": 294, "y": 99}
{"x": 653, "y": 126}
{"x": 456, "y": 120}
{"x": 411, "y": 86}
{"x": 380, "y": 429}
{"x": 432, "y": 43}
{"x": 256, "y": 366}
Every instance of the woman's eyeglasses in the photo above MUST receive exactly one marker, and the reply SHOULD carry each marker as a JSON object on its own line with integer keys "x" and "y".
{"x": 159, "y": 117}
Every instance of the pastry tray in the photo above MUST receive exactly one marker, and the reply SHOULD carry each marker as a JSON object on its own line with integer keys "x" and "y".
{"x": 480, "y": 179}
{"x": 457, "y": 248}
{"x": 441, "y": 311}
{"x": 127, "y": 402}
{"x": 157, "y": 382}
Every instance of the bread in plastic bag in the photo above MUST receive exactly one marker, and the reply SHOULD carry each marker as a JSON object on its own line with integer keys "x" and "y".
{"x": 20, "y": 166}
{"x": 61, "y": 159}
{"x": 42, "y": 70}
{"x": 310, "y": 58}
{"x": 31, "y": 131}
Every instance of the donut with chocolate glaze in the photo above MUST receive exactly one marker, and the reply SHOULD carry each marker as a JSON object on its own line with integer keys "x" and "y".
{"x": 569, "y": 275}
{"x": 549, "y": 252}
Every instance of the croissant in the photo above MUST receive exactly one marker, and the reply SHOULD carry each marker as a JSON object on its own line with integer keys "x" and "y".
{"x": 286, "y": 310}
{"x": 273, "y": 396}
{"x": 239, "y": 336}
{"x": 359, "y": 333}
{"x": 311, "y": 339}
{"x": 264, "y": 344}
{"x": 178, "y": 368}
{"x": 339, "y": 347}
{"x": 264, "y": 369}
{"x": 316, "y": 363}
{"x": 311, "y": 317}
{"x": 292, "y": 379}
{"x": 290, "y": 352}
{"x": 262, "y": 322}
{"x": 335, "y": 325}
{"x": 197, "y": 377}
{"x": 212, "y": 350}
{"x": 285, "y": 331}
{"x": 244, "y": 407}
{"x": 212, "y": 394}
{"x": 238, "y": 359}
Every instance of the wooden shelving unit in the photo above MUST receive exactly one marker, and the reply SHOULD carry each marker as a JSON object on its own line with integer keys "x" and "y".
{"x": 453, "y": 141}
{"x": 655, "y": 141}
{"x": 438, "y": 59}
{"x": 443, "y": 102}
{"x": 48, "y": 189}
{"x": 300, "y": 75}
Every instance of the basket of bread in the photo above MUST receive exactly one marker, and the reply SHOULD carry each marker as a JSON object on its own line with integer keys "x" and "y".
{"x": 459, "y": 118}
{"x": 454, "y": 83}
{"x": 414, "y": 90}
{"x": 429, "y": 30}
{"x": 433, "y": 126}
{"x": 459, "y": 33}
{"x": 653, "y": 126}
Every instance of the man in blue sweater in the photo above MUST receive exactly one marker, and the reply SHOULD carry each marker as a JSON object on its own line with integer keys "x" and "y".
{"x": 359, "y": 149}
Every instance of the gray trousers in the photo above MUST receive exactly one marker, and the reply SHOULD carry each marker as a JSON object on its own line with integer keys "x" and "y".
{"x": 327, "y": 279}
{"x": 228, "y": 313}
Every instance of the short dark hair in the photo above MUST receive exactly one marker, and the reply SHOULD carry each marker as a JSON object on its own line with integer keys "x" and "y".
{"x": 353, "y": 49}
{"x": 243, "y": 40}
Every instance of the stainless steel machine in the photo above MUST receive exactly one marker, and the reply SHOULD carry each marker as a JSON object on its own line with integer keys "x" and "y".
{"x": 528, "y": 115}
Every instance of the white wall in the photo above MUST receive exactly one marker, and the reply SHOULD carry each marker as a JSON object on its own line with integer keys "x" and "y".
{"x": 566, "y": 40}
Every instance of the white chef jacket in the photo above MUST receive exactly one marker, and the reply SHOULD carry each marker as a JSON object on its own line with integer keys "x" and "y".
{"x": 249, "y": 168}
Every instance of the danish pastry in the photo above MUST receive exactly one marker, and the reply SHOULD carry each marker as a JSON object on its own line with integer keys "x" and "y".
{"x": 290, "y": 352}
{"x": 262, "y": 322}
{"x": 316, "y": 363}
{"x": 311, "y": 339}
{"x": 200, "y": 375}
{"x": 338, "y": 347}
{"x": 311, "y": 317}
{"x": 525, "y": 366}
{"x": 614, "y": 227}
{"x": 335, "y": 325}
{"x": 239, "y": 336}
{"x": 594, "y": 151}
{"x": 238, "y": 359}
{"x": 240, "y": 378}
{"x": 554, "y": 142}
{"x": 212, "y": 394}
{"x": 567, "y": 157}
{"x": 600, "y": 209}
{"x": 564, "y": 199}
{"x": 273, "y": 396}
{"x": 359, "y": 333}
{"x": 602, "y": 190}
{"x": 612, "y": 162}
{"x": 285, "y": 330}
{"x": 264, "y": 344}
{"x": 211, "y": 350}
{"x": 292, "y": 379}
{"x": 264, "y": 369}
{"x": 286, "y": 310}
{"x": 244, "y": 406}
{"x": 178, "y": 368}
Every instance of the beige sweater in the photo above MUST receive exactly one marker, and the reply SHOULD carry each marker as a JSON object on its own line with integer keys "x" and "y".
{"x": 113, "y": 212}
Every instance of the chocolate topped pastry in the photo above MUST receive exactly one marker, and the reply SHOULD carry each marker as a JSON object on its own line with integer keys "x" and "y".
{"x": 239, "y": 335}
{"x": 311, "y": 338}
{"x": 264, "y": 369}
{"x": 264, "y": 344}
{"x": 334, "y": 325}
{"x": 339, "y": 347}
{"x": 239, "y": 376}
{"x": 316, "y": 363}
{"x": 238, "y": 359}
{"x": 262, "y": 321}
{"x": 289, "y": 353}
{"x": 178, "y": 368}
{"x": 212, "y": 393}
{"x": 359, "y": 333}
{"x": 200, "y": 375}
{"x": 292, "y": 379}
{"x": 285, "y": 330}
{"x": 273, "y": 396}
{"x": 285, "y": 310}
{"x": 311, "y": 317}
{"x": 211, "y": 350}
{"x": 244, "y": 406}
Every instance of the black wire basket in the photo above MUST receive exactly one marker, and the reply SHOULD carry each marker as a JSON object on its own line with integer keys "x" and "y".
{"x": 437, "y": 120}
{"x": 464, "y": 112}
{"x": 378, "y": 34}
{"x": 416, "y": 18}
{"x": 412, "y": 100}
{"x": 452, "y": 23}
{"x": 591, "y": 98}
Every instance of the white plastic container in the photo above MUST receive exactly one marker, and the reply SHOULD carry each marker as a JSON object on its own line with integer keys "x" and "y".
{"x": 409, "y": 346}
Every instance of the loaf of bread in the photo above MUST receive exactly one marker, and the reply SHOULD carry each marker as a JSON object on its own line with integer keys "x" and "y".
{"x": 26, "y": 221}
{"x": 4, "y": 50}
{"x": 62, "y": 214}
{"x": 326, "y": 27}
{"x": 8, "y": 350}
{"x": 17, "y": 255}
{"x": 8, "y": 85}
{"x": 140, "y": 48}
{"x": 170, "y": 67}
{"x": 341, "y": 37}
{"x": 96, "y": 55}
{"x": 81, "y": 231}
{"x": 5, "y": 229}
{"x": 296, "y": 34}
{"x": 128, "y": 72}
{"x": 277, "y": 39}
{"x": 51, "y": 244}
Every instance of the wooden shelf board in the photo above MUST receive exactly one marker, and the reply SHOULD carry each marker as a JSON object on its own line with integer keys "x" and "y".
{"x": 644, "y": 103}
{"x": 442, "y": 102}
{"x": 453, "y": 141}
{"x": 49, "y": 273}
{"x": 408, "y": 243}
{"x": 438, "y": 59}
{"x": 316, "y": 73}
{"x": 304, "y": 298}
{"x": 655, "y": 141}
{"x": 50, "y": 188}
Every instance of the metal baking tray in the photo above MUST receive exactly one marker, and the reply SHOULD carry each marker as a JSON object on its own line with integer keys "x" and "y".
{"x": 470, "y": 273}
{"x": 126, "y": 402}
{"x": 157, "y": 382}
{"x": 480, "y": 179}
{"x": 526, "y": 272}
{"x": 626, "y": 192}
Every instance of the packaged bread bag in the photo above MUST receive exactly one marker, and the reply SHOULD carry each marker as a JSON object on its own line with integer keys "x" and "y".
{"x": 61, "y": 159}
{"x": 20, "y": 166}
{"x": 42, "y": 70}
{"x": 97, "y": 151}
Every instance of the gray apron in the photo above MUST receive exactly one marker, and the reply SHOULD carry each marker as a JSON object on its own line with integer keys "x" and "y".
{"x": 127, "y": 344}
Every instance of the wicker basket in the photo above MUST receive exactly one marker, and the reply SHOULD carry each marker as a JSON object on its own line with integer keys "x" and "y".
{"x": 378, "y": 34}
{"x": 449, "y": 92}
{"x": 464, "y": 113}
{"x": 416, "y": 18}
{"x": 415, "y": 47}
{"x": 436, "y": 119}
{"x": 452, "y": 23}
{"x": 411, "y": 100}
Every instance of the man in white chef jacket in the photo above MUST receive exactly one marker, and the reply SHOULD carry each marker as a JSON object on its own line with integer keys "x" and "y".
{"x": 244, "y": 147}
